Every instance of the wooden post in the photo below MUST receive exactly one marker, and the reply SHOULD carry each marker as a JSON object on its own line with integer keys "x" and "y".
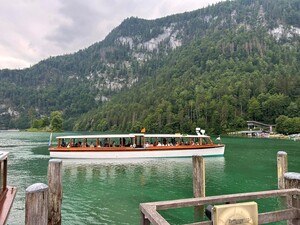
{"x": 144, "y": 220}
{"x": 282, "y": 167}
{"x": 36, "y": 205}
{"x": 198, "y": 184}
{"x": 292, "y": 180}
{"x": 5, "y": 174}
{"x": 55, "y": 191}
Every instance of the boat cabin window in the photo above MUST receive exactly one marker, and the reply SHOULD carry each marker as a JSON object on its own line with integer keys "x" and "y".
{"x": 165, "y": 141}
{"x": 115, "y": 142}
{"x": 101, "y": 142}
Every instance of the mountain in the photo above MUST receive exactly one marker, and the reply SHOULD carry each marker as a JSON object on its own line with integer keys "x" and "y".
{"x": 214, "y": 67}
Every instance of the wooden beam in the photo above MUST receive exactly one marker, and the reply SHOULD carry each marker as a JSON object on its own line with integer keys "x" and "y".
{"x": 152, "y": 215}
{"x": 190, "y": 202}
{"x": 276, "y": 216}
{"x": 198, "y": 184}
{"x": 55, "y": 191}
{"x": 198, "y": 176}
{"x": 268, "y": 217}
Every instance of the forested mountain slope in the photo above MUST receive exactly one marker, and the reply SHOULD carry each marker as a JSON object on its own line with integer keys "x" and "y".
{"x": 215, "y": 67}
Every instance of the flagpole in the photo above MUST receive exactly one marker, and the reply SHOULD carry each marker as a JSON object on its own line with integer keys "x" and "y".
{"x": 50, "y": 140}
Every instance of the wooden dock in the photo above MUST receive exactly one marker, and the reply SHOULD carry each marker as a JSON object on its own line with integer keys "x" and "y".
{"x": 43, "y": 202}
{"x": 288, "y": 183}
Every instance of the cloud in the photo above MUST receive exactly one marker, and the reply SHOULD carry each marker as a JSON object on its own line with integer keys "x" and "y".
{"x": 77, "y": 22}
{"x": 34, "y": 30}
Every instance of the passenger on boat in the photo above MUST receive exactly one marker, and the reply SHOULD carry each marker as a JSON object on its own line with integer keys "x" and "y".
{"x": 63, "y": 143}
{"x": 170, "y": 144}
{"x": 133, "y": 146}
{"x": 78, "y": 144}
{"x": 147, "y": 144}
{"x": 164, "y": 142}
{"x": 106, "y": 144}
{"x": 123, "y": 142}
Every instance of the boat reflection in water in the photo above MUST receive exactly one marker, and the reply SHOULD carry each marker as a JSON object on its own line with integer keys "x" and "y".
{"x": 109, "y": 169}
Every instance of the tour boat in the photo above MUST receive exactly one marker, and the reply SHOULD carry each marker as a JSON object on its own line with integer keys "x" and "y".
{"x": 139, "y": 145}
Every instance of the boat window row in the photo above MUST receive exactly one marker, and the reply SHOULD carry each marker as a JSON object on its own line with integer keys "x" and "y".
{"x": 134, "y": 142}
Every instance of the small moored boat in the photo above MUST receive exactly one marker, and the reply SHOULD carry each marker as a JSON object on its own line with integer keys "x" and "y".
{"x": 140, "y": 145}
{"x": 7, "y": 193}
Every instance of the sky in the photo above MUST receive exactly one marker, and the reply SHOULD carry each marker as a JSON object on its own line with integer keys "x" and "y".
{"x": 33, "y": 30}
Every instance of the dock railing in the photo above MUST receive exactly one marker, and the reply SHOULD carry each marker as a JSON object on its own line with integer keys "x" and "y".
{"x": 150, "y": 214}
{"x": 288, "y": 183}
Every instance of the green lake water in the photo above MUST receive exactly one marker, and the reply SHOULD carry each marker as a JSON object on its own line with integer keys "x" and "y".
{"x": 109, "y": 192}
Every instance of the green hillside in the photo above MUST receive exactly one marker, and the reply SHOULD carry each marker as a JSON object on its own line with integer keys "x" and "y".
{"x": 215, "y": 67}
{"x": 214, "y": 82}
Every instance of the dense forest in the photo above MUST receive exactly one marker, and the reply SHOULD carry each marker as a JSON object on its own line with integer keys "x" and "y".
{"x": 215, "y": 67}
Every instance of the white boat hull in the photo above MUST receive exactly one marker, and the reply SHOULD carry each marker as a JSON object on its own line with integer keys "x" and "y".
{"x": 216, "y": 151}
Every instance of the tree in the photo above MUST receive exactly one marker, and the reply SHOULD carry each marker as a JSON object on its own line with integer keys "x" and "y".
{"x": 254, "y": 110}
{"x": 280, "y": 124}
{"x": 286, "y": 125}
{"x": 56, "y": 121}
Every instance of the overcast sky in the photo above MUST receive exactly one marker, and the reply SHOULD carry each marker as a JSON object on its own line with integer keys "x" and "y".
{"x": 32, "y": 30}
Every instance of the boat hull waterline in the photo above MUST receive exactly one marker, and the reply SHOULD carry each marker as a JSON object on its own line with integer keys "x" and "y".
{"x": 138, "y": 153}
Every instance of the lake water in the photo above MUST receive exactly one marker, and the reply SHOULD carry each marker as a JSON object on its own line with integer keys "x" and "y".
{"x": 109, "y": 192}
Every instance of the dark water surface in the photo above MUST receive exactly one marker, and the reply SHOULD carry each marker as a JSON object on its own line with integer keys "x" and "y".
{"x": 109, "y": 192}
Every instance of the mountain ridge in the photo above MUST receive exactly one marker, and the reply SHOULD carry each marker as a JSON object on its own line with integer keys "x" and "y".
{"x": 136, "y": 50}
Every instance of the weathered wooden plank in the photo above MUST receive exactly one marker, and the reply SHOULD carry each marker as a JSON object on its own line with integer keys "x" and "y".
{"x": 198, "y": 176}
{"x": 282, "y": 167}
{"x": 6, "y": 202}
{"x": 201, "y": 223}
{"x": 55, "y": 191}
{"x": 276, "y": 216}
{"x": 152, "y": 215}
{"x": 198, "y": 184}
{"x": 190, "y": 202}
{"x": 264, "y": 218}
{"x": 36, "y": 204}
